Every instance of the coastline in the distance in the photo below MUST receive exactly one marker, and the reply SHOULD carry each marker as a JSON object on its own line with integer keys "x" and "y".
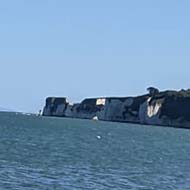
{"x": 166, "y": 108}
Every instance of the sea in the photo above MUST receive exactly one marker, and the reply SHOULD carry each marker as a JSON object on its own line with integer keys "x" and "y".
{"x": 43, "y": 153}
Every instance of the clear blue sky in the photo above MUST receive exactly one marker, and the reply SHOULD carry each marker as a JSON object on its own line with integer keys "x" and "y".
{"x": 91, "y": 48}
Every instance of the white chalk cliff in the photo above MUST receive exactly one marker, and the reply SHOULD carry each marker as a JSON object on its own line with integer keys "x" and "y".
{"x": 169, "y": 108}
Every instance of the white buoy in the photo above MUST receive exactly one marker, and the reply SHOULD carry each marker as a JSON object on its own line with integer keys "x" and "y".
{"x": 99, "y": 137}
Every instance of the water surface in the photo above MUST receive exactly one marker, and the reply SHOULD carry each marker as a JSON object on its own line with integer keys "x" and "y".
{"x": 55, "y": 153}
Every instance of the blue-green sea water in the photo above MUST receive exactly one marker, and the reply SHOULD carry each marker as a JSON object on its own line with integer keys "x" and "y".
{"x": 39, "y": 153}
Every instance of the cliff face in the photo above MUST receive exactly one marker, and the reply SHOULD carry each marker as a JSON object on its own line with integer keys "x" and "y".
{"x": 123, "y": 109}
{"x": 87, "y": 109}
{"x": 55, "y": 106}
{"x": 149, "y": 111}
{"x": 169, "y": 108}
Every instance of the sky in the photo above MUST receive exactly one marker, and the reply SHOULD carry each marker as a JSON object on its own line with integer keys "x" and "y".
{"x": 88, "y": 48}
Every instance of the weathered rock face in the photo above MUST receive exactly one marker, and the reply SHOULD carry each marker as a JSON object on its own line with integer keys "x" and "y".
{"x": 87, "y": 109}
{"x": 55, "y": 106}
{"x": 150, "y": 111}
{"x": 123, "y": 109}
{"x": 169, "y": 108}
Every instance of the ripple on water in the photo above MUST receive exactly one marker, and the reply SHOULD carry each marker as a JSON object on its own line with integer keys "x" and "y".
{"x": 42, "y": 153}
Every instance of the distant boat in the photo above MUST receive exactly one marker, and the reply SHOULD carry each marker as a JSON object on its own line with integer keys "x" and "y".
{"x": 95, "y": 118}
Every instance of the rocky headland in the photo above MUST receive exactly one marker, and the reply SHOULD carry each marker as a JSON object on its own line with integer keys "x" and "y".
{"x": 166, "y": 108}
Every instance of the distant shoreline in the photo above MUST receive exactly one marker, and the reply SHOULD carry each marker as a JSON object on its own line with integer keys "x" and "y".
{"x": 166, "y": 108}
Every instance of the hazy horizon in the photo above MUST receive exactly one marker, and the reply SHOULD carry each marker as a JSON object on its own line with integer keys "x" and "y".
{"x": 90, "y": 49}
